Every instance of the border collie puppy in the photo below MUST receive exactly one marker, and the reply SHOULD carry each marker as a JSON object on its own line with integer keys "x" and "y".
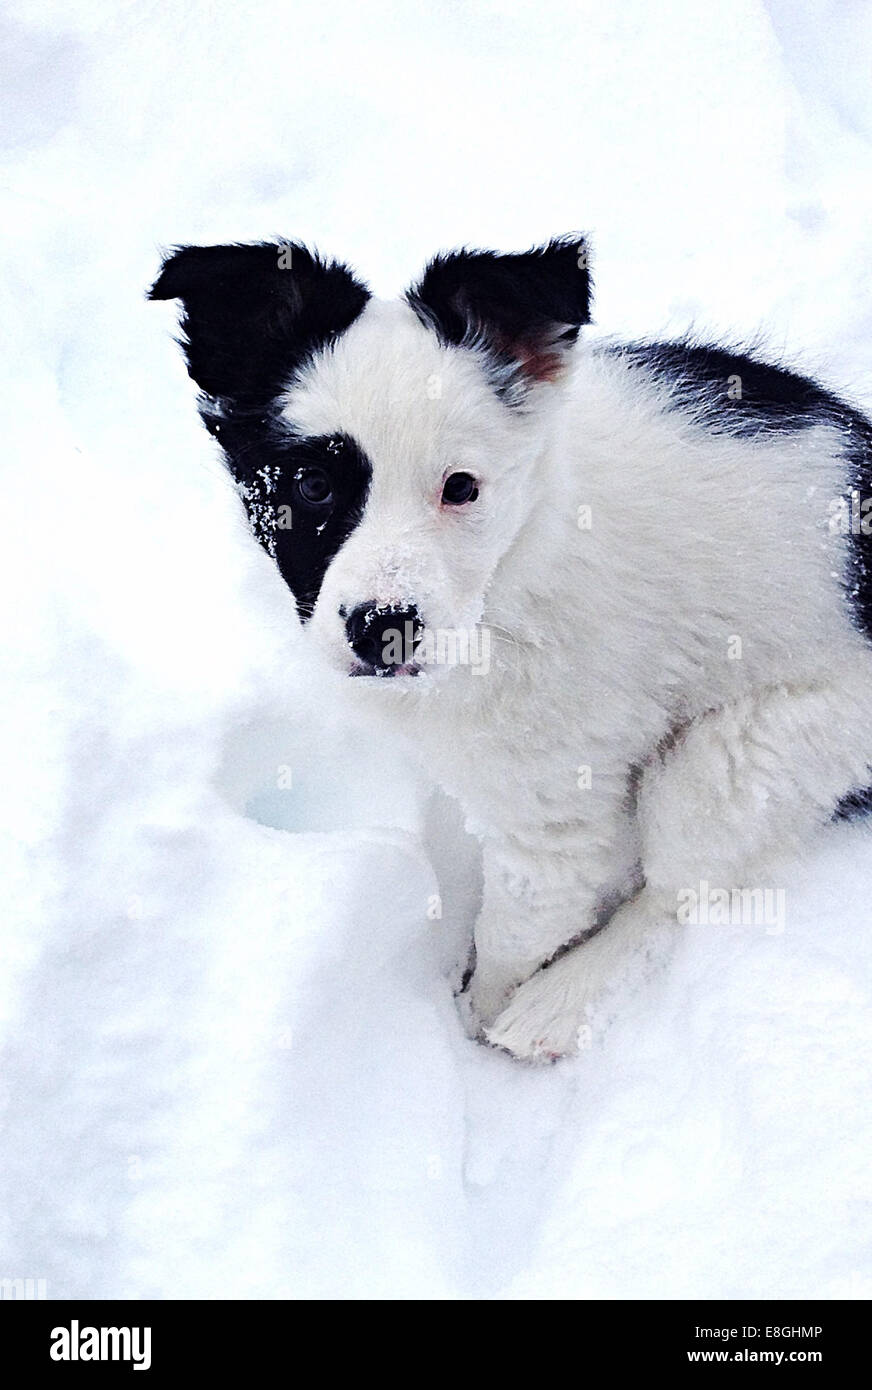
{"x": 650, "y": 560}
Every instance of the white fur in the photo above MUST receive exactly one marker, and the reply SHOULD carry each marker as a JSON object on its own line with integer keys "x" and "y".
{"x": 614, "y": 647}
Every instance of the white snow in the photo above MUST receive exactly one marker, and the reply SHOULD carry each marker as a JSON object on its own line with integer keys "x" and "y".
{"x": 231, "y": 1062}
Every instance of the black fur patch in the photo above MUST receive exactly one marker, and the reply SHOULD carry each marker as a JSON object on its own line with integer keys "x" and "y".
{"x": 252, "y": 314}
{"x": 855, "y": 805}
{"x": 527, "y": 309}
{"x": 733, "y": 393}
{"x": 269, "y": 464}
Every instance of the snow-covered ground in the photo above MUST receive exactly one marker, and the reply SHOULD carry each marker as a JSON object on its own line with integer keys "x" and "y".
{"x": 231, "y": 1062}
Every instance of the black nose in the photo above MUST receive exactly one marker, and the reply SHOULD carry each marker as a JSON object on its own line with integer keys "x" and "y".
{"x": 383, "y": 637}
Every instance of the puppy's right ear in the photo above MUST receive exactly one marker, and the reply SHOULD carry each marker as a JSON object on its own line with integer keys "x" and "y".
{"x": 252, "y": 314}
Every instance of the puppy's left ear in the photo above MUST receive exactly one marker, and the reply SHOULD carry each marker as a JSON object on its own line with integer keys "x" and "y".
{"x": 525, "y": 309}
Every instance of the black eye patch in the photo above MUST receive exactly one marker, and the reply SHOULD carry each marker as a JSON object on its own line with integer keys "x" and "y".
{"x": 304, "y": 494}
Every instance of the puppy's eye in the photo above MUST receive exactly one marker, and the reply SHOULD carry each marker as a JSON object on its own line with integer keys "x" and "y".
{"x": 459, "y": 488}
{"x": 314, "y": 486}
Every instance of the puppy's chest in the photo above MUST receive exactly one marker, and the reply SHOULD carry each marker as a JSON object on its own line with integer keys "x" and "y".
{"x": 520, "y": 756}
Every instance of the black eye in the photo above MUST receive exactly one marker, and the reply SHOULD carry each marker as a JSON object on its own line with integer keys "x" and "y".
{"x": 314, "y": 486}
{"x": 459, "y": 488}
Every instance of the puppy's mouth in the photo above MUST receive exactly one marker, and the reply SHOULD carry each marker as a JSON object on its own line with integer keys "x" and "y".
{"x": 363, "y": 668}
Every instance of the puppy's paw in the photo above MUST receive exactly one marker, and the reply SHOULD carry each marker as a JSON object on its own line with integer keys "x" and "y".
{"x": 558, "y": 1011}
{"x": 541, "y": 1023}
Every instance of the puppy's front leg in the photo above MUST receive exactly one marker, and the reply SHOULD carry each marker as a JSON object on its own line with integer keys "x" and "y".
{"x": 541, "y": 892}
{"x": 729, "y": 803}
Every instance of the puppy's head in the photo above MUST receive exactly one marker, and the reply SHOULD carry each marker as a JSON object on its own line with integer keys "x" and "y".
{"x": 386, "y": 451}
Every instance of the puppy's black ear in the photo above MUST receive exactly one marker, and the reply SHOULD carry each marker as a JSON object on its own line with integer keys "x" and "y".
{"x": 527, "y": 309}
{"x": 253, "y": 313}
